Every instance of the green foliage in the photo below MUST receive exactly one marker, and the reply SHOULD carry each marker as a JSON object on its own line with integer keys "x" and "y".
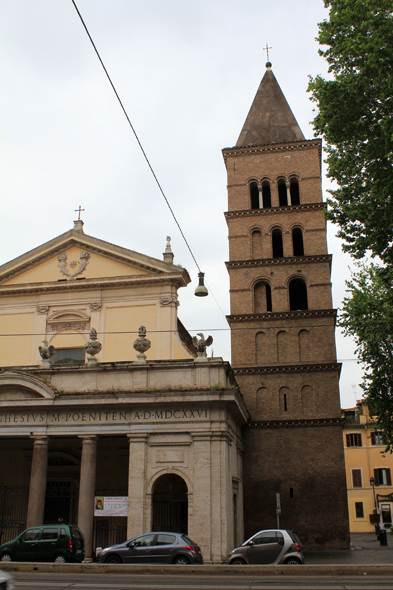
{"x": 367, "y": 315}
{"x": 355, "y": 117}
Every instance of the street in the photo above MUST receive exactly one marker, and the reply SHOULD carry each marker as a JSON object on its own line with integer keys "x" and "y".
{"x": 55, "y": 581}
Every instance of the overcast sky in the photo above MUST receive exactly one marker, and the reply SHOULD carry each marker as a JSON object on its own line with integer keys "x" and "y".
{"x": 187, "y": 73}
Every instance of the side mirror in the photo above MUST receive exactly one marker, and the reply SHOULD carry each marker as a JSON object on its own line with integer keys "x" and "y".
{"x": 251, "y": 543}
{"x": 131, "y": 544}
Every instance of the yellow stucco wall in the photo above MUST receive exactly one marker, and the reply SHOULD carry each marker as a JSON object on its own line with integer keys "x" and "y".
{"x": 126, "y": 321}
{"x": 98, "y": 267}
{"x": 16, "y": 350}
{"x": 366, "y": 458}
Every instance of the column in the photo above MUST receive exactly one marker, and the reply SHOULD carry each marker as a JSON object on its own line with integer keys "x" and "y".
{"x": 39, "y": 468}
{"x": 87, "y": 484}
{"x": 137, "y": 485}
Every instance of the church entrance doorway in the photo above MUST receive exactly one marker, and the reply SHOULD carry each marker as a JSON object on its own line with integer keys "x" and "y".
{"x": 170, "y": 504}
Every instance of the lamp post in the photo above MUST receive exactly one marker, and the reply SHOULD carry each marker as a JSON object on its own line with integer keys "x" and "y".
{"x": 372, "y": 483}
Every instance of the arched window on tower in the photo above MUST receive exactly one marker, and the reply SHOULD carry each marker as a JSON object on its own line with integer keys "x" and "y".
{"x": 254, "y": 195}
{"x": 282, "y": 193}
{"x": 297, "y": 295}
{"x": 262, "y": 297}
{"x": 294, "y": 188}
{"x": 277, "y": 245}
{"x": 297, "y": 242}
{"x": 266, "y": 196}
{"x": 256, "y": 244}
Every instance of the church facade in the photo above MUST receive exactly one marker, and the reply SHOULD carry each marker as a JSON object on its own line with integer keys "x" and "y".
{"x": 117, "y": 432}
{"x": 283, "y": 326}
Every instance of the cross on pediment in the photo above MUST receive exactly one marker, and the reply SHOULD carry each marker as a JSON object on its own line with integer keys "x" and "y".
{"x": 79, "y": 210}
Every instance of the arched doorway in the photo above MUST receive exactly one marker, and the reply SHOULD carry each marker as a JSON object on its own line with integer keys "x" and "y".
{"x": 170, "y": 504}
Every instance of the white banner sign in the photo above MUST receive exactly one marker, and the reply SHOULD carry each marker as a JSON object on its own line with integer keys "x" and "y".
{"x": 111, "y": 506}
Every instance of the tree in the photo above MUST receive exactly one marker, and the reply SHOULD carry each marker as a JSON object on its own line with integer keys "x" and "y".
{"x": 355, "y": 118}
{"x": 367, "y": 315}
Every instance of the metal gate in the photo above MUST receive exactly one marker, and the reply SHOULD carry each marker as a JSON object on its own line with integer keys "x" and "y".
{"x": 170, "y": 504}
{"x": 13, "y": 511}
{"x": 109, "y": 530}
{"x": 61, "y": 502}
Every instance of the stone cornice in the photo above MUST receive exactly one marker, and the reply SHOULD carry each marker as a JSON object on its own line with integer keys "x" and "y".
{"x": 275, "y": 147}
{"x": 279, "y": 261}
{"x": 272, "y": 210}
{"x": 250, "y": 317}
{"x": 294, "y": 423}
{"x": 279, "y": 369}
{"x": 93, "y": 283}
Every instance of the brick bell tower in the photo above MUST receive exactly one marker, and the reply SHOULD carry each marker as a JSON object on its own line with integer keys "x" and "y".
{"x": 283, "y": 326}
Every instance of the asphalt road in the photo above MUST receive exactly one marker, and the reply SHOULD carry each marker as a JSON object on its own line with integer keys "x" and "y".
{"x": 58, "y": 581}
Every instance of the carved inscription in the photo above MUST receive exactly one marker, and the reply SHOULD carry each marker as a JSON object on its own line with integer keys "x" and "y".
{"x": 113, "y": 416}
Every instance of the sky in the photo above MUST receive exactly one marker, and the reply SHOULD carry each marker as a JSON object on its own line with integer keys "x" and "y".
{"x": 187, "y": 73}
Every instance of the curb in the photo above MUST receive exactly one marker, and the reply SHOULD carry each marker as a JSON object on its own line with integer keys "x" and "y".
{"x": 202, "y": 570}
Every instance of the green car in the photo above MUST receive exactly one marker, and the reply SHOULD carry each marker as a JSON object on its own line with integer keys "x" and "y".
{"x": 58, "y": 543}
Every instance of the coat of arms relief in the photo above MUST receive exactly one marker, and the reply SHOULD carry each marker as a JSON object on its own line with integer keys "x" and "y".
{"x": 77, "y": 266}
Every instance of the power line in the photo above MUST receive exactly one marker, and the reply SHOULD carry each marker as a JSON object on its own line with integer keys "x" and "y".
{"x": 134, "y": 132}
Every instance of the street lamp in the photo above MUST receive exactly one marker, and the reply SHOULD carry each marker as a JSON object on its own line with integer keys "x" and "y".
{"x": 372, "y": 483}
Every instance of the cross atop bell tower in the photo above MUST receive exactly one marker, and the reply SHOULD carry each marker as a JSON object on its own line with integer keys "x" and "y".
{"x": 283, "y": 324}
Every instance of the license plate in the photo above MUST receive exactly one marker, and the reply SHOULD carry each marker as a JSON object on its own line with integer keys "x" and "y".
{"x": 79, "y": 550}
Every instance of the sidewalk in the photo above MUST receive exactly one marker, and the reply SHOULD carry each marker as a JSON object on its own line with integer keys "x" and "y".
{"x": 365, "y": 550}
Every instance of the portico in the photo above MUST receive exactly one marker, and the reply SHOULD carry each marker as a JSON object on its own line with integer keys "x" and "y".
{"x": 163, "y": 433}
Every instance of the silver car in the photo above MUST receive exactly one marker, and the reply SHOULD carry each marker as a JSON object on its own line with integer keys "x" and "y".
{"x": 270, "y": 547}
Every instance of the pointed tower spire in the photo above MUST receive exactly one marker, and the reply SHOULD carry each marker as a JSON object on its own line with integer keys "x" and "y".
{"x": 270, "y": 119}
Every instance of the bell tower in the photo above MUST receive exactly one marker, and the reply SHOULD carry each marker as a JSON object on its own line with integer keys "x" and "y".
{"x": 283, "y": 326}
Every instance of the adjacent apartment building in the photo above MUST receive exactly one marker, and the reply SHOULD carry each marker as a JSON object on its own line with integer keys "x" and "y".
{"x": 366, "y": 460}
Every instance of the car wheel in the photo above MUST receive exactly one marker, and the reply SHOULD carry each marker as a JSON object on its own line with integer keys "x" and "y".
{"x": 6, "y": 557}
{"x": 60, "y": 558}
{"x": 292, "y": 561}
{"x": 238, "y": 561}
{"x": 181, "y": 560}
{"x": 113, "y": 559}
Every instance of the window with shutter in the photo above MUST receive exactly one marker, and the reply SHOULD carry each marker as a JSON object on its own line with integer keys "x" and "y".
{"x": 382, "y": 477}
{"x": 357, "y": 478}
{"x": 377, "y": 438}
{"x": 354, "y": 440}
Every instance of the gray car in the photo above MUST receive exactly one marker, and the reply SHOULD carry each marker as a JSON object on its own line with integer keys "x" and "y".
{"x": 156, "y": 547}
{"x": 269, "y": 547}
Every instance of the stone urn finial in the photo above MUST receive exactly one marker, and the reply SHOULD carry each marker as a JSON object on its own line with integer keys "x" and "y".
{"x": 141, "y": 345}
{"x": 168, "y": 254}
{"x": 46, "y": 353}
{"x": 201, "y": 344}
{"x": 92, "y": 347}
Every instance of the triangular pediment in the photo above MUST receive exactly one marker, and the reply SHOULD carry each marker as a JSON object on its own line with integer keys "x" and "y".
{"x": 270, "y": 119}
{"x": 76, "y": 256}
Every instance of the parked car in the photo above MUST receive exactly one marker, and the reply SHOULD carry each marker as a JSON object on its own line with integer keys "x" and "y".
{"x": 6, "y": 581}
{"x": 271, "y": 547}
{"x": 58, "y": 543}
{"x": 156, "y": 547}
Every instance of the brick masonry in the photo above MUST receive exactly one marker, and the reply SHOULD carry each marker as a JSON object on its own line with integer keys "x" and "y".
{"x": 285, "y": 359}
